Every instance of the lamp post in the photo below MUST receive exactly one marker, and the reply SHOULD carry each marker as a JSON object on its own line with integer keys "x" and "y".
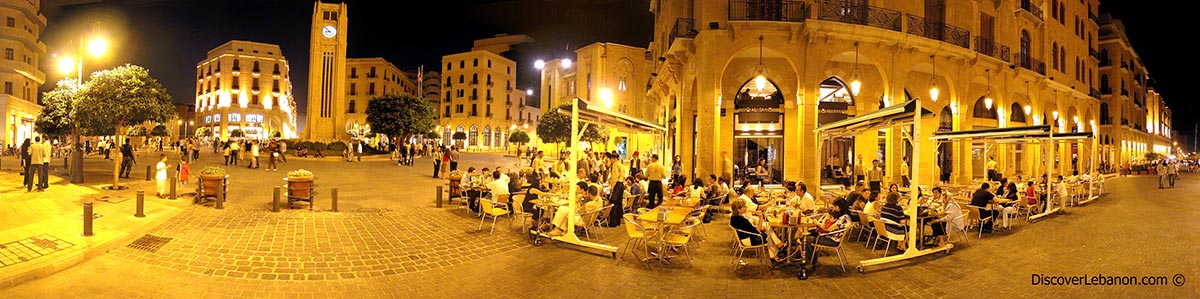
{"x": 97, "y": 47}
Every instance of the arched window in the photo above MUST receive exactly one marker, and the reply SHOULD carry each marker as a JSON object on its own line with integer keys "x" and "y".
{"x": 473, "y": 136}
{"x": 980, "y": 110}
{"x": 460, "y": 79}
{"x": 1025, "y": 40}
{"x": 1104, "y": 114}
{"x": 475, "y": 78}
{"x": 474, "y": 93}
{"x": 1016, "y": 113}
{"x": 1104, "y": 57}
{"x": 946, "y": 121}
{"x": 237, "y": 65}
{"x": 276, "y": 71}
{"x": 1054, "y": 56}
{"x": 1054, "y": 9}
{"x": 487, "y": 136}
{"x": 1104, "y": 89}
{"x": 489, "y": 63}
{"x": 255, "y": 67}
{"x": 462, "y": 64}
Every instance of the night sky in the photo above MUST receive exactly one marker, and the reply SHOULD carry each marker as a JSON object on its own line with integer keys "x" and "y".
{"x": 170, "y": 37}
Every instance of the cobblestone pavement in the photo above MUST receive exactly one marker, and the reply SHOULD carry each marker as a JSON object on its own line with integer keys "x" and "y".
{"x": 408, "y": 249}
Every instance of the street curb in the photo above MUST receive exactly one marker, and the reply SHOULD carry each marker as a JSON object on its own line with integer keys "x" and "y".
{"x": 98, "y": 245}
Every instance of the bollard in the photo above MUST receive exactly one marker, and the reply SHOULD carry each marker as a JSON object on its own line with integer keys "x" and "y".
{"x": 275, "y": 205}
{"x": 221, "y": 196}
{"x": 148, "y": 169}
{"x": 439, "y": 196}
{"x": 87, "y": 219}
{"x": 171, "y": 176}
{"x": 141, "y": 204}
{"x": 334, "y": 194}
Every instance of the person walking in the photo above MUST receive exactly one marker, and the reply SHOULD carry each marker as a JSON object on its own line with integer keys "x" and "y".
{"x": 126, "y": 159}
{"x": 282, "y": 152}
{"x": 160, "y": 176}
{"x": 253, "y": 156}
{"x": 1161, "y": 170}
{"x": 225, "y": 151}
{"x": 234, "y": 149}
{"x": 1173, "y": 172}
{"x": 34, "y": 163}
{"x": 184, "y": 170}
{"x": 655, "y": 173}
{"x": 272, "y": 154}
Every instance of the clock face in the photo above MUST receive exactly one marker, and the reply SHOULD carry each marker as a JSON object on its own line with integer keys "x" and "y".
{"x": 329, "y": 31}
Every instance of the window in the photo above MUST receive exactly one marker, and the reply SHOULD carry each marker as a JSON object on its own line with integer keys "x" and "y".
{"x": 475, "y": 63}
{"x": 275, "y": 86}
{"x": 449, "y": 66}
{"x": 1054, "y": 9}
{"x": 462, "y": 64}
{"x": 353, "y": 89}
{"x": 1062, "y": 56}
{"x": 372, "y": 73}
{"x": 474, "y": 94}
{"x": 254, "y": 100}
{"x": 459, "y": 109}
{"x": 276, "y": 71}
{"x": 371, "y": 89}
{"x": 236, "y": 82}
{"x": 235, "y": 117}
{"x": 475, "y": 78}
{"x": 237, "y": 65}
{"x": 333, "y": 16}
{"x": 447, "y": 111}
{"x": 489, "y": 63}
{"x": 1054, "y": 56}
{"x": 508, "y": 70}
{"x": 8, "y": 54}
{"x": 208, "y": 118}
{"x": 460, "y": 79}
{"x": 351, "y": 108}
{"x": 474, "y": 110}
{"x": 255, "y": 66}
{"x": 253, "y": 86}
{"x": 8, "y": 88}
{"x": 254, "y": 118}
{"x": 216, "y": 117}
{"x": 11, "y": 22}
{"x": 488, "y": 110}
{"x": 473, "y": 136}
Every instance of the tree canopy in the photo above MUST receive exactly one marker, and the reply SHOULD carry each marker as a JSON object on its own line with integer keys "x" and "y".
{"x": 57, "y": 110}
{"x": 399, "y": 115}
{"x": 460, "y": 135}
{"x": 555, "y": 127}
{"x": 123, "y": 96}
{"x": 519, "y": 137}
{"x": 159, "y": 131}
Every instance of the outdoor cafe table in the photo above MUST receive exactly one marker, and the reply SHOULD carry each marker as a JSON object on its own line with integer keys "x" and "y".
{"x": 791, "y": 229}
{"x": 674, "y": 217}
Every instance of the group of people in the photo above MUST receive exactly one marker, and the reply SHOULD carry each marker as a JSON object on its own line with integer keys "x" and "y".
{"x": 1168, "y": 172}
{"x": 750, "y": 218}
{"x": 250, "y": 150}
{"x": 35, "y": 160}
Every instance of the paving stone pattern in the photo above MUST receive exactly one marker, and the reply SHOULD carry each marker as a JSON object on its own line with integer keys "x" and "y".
{"x": 297, "y": 245}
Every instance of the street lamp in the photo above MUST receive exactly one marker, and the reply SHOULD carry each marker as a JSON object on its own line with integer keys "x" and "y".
{"x": 97, "y": 47}
{"x": 539, "y": 64}
{"x": 606, "y": 96}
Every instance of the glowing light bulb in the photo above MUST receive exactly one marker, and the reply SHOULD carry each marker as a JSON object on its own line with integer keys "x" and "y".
{"x": 760, "y": 82}
{"x": 1028, "y": 109}
{"x": 934, "y": 92}
{"x": 987, "y": 102}
{"x": 566, "y": 63}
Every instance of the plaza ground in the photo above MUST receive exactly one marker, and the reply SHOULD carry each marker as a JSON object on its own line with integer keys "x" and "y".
{"x": 389, "y": 240}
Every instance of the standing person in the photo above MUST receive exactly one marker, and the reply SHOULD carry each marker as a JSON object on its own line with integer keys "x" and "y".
{"x": 1161, "y": 169}
{"x": 126, "y": 159}
{"x": 655, "y": 173}
{"x": 272, "y": 154}
{"x": 253, "y": 156}
{"x": 539, "y": 164}
{"x": 234, "y": 148}
{"x": 446, "y": 160}
{"x": 676, "y": 168}
{"x": 991, "y": 169}
{"x": 225, "y": 150}
{"x": 1173, "y": 172}
{"x": 184, "y": 170}
{"x": 358, "y": 150}
{"x": 635, "y": 164}
{"x": 33, "y": 162}
{"x": 43, "y": 172}
{"x": 107, "y": 149}
{"x": 904, "y": 171}
{"x": 437, "y": 166}
{"x": 160, "y": 176}
{"x": 454, "y": 155}
{"x": 875, "y": 176}
{"x": 859, "y": 174}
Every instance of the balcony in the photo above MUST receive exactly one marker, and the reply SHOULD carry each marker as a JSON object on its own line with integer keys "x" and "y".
{"x": 1124, "y": 66}
{"x": 938, "y": 30}
{"x": 1030, "y": 63}
{"x": 860, "y": 14}
{"x": 474, "y": 82}
{"x": 370, "y": 75}
{"x": 1104, "y": 61}
{"x": 1105, "y": 121}
{"x": 1031, "y": 9}
{"x": 991, "y": 48}
{"x": 1095, "y": 93}
{"x": 490, "y": 83}
{"x": 474, "y": 98}
{"x": 757, "y": 10}
{"x": 1092, "y": 16}
{"x": 489, "y": 99}
{"x": 448, "y": 85}
{"x": 685, "y": 28}
{"x": 1095, "y": 54}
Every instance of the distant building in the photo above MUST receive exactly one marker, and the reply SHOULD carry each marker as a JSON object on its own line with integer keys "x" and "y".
{"x": 370, "y": 78}
{"x": 20, "y": 72}
{"x": 244, "y": 85}
{"x": 480, "y": 97}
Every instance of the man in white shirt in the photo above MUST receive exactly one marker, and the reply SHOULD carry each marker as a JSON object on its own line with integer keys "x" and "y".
{"x": 748, "y": 197}
{"x": 498, "y": 185}
{"x": 806, "y": 202}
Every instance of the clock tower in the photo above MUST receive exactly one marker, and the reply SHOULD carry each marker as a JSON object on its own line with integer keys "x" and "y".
{"x": 326, "y": 74}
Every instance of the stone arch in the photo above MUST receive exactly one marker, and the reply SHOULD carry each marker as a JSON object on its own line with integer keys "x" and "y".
{"x": 1016, "y": 113}
{"x": 842, "y": 64}
{"x": 982, "y": 109}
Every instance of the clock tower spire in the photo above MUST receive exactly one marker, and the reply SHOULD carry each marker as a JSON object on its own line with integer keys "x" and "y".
{"x": 326, "y": 73}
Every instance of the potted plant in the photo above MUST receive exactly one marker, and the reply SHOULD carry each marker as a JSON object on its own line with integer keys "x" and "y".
{"x": 299, "y": 183}
{"x": 210, "y": 181}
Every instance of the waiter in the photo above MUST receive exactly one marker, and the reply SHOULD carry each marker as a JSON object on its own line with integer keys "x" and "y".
{"x": 655, "y": 173}
{"x": 875, "y": 176}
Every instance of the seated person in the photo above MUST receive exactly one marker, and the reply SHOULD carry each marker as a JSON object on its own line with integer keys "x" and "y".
{"x": 589, "y": 202}
{"x": 497, "y": 188}
{"x": 829, "y": 230}
{"x": 470, "y": 187}
{"x": 751, "y": 230}
{"x": 980, "y": 199}
{"x": 894, "y": 188}
{"x": 633, "y": 187}
{"x": 952, "y": 210}
{"x": 873, "y": 204}
{"x": 800, "y": 198}
{"x": 677, "y": 187}
{"x": 892, "y": 211}
{"x": 531, "y": 195}
{"x": 697, "y": 192}
{"x": 748, "y": 197}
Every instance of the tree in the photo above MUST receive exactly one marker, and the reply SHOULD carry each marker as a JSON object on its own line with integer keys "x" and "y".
{"x": 554, "y": 127}
{"x": 136, "y": 131}
{"x": 518, "y": 137}
{"x": 237, "y": 133}
{"x": 203, "y": 131}
{"x": 595, "y": 134}
{"x": 431, "y": 135}
{"x": 56, "y": 117}
{"x": 460, "y": 136}
{"x": 159, "y": 131}
{"x": 120, "y": 97}
{"x": 401, "y": 116}
{"x": 278, "y": 134}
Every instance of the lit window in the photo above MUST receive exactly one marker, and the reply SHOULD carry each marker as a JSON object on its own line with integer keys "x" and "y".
{"x": 235, "y": 117}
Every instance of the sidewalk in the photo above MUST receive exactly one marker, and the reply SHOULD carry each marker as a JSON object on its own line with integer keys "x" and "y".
{"x": 41, "y": 232}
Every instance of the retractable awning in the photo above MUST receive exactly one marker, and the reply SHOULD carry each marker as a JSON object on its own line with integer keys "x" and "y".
{"x": 895, "y": 115}
{"x": 599, "y": 115}
{"x": 1008, "y": 135}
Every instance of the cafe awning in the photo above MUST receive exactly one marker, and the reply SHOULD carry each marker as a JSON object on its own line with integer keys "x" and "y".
{"x": 1010, "y": 135}
{"x": 891, "y": 116}
{"x": 599, "y": 115}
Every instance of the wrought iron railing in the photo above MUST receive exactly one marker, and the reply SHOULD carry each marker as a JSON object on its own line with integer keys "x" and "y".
{"x": 859, "y": 13}
{"x": 768, "y": 10}
{"x": 685, "y": 28}
{"x": 991, "y": 48}
{"x": 1095, "y": 93}
{"x": 1033, "y": 9}
{"x": 939, "y": 30}
{"x": 1030, "y": 63}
